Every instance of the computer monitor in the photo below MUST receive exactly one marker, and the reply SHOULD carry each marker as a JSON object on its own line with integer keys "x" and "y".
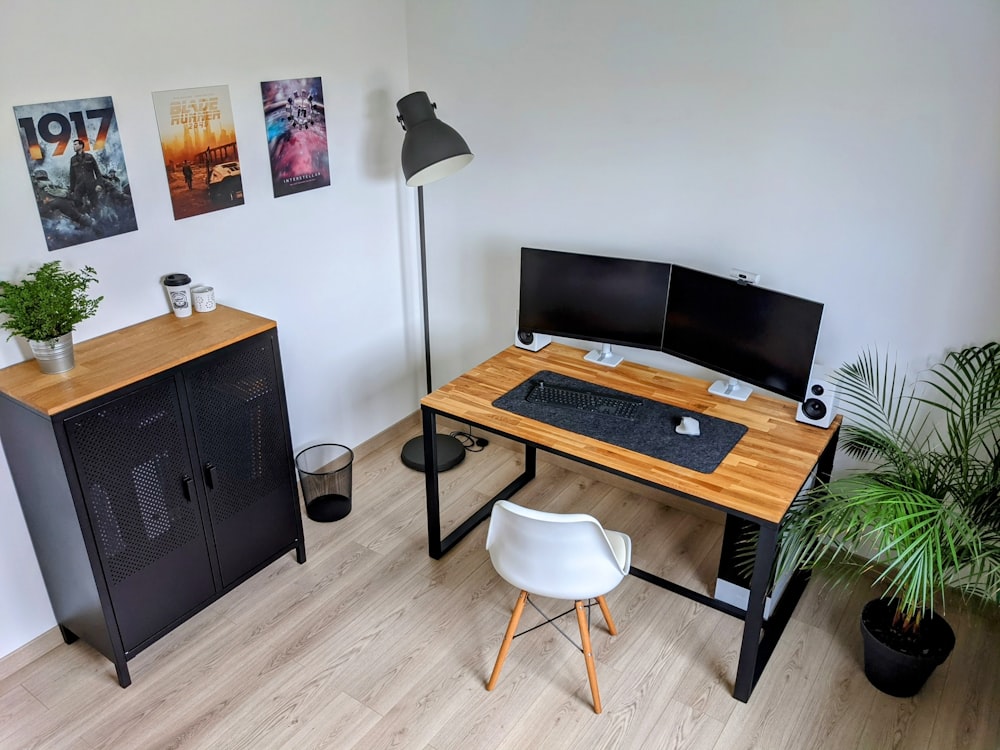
{"x": 596, "y": 298}
{"x": 749, "y": 333}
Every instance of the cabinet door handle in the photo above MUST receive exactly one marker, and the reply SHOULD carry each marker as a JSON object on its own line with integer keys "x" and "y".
{"x": 210, "y": 475}
{"x": 188, "y": 487}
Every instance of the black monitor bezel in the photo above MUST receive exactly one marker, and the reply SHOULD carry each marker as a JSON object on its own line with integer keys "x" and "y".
{"x": 798, "y": 374}
{"x": 526, "y": 321}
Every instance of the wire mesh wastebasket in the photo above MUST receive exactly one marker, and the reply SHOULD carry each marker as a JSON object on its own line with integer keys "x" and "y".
{"x": 325, "y": 477}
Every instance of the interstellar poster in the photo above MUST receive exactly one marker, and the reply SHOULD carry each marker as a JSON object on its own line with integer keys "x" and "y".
{"x": 198, "y": 139}
{"x": 296, "y": 134}
{"x": 77, "y": 168}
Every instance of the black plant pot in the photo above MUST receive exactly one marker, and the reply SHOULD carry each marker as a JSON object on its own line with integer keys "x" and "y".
{"x": 901, "y": 667}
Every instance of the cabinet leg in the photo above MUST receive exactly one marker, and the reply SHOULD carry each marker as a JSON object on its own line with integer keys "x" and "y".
{"x": 68, "y": 635}
{"x": 300, "y": 552}
{"x": 124, "y": 678}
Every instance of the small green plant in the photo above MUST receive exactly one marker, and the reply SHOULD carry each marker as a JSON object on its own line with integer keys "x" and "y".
{"x": 48, "y": 303}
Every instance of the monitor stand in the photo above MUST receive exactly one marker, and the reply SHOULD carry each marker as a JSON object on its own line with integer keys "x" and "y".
{"x": 731, "y": 388}
{"x": 604, "y": 357}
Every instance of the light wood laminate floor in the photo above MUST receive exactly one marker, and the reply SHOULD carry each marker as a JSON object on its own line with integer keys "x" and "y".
{"x": 372, "y": 644}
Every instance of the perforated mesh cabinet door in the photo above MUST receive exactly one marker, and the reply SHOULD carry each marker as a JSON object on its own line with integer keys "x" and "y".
{"x": 132, "y": 462}
{"x": 241, "y": 426}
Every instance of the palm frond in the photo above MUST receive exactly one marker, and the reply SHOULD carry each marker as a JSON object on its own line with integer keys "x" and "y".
{"x": 925, "y": 515}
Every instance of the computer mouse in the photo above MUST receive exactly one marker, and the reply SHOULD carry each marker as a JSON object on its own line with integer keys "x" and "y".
{"x": 688, "y": 426}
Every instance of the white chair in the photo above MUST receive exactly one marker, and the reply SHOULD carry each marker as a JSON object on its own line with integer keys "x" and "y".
{"x": 560, "y": 556}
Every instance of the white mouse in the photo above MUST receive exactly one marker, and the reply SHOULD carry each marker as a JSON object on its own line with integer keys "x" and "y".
{"x": 688, "y": 426}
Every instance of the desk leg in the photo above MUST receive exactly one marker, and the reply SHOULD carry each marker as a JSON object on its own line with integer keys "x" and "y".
{"x": 436, "y": 546}
{"x": 748, "y": 669}
{"x": 825, "y": 464}
{"x": 431, "y": 484}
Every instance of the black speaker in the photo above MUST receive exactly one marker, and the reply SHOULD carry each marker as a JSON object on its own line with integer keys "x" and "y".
{"x": 530, "y": 340}
{"x": 820, "y": 405}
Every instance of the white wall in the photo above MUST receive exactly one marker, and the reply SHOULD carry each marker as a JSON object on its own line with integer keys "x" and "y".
{"x": 846, "y": 151}
{"x": 330, "y": 265}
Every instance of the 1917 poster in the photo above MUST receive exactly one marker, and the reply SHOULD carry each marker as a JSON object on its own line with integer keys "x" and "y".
{"x": 77, "y": 167}
{"x": 296, "y": 134}
{"x": 198, "y": 139}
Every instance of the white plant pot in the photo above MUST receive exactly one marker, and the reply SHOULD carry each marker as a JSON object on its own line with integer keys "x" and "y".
{"x": 54, "y": 355}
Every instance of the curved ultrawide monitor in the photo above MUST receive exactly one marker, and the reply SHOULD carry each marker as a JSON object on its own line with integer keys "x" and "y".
{"x": 757, "y": 335}
{"x": 596, "y": 298}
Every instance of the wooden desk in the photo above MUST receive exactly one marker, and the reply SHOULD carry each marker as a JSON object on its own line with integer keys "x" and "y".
{"x": 757, "y": 481}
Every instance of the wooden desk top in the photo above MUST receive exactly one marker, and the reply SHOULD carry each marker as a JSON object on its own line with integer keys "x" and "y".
{"x": 117, "y": 359}
{"x": 760, "y": 477}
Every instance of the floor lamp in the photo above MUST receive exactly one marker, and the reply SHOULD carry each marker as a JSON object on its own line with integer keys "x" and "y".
{"x": 431, "y": 150}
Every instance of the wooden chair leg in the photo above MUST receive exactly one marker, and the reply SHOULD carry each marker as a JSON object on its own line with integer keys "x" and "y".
{"x": 507, "y": 638}
{"x": 607, "y": 615}
{"x": 588, "y": 654}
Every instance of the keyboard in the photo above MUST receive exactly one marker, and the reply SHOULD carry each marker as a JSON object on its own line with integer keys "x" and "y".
{"x": 584, "y": 400}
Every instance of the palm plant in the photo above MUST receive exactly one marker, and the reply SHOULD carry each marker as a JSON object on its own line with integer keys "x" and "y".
{"x": 925, "y": 512}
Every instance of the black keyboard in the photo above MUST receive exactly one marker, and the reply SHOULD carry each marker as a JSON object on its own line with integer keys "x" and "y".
{"x": 577, "y": 398}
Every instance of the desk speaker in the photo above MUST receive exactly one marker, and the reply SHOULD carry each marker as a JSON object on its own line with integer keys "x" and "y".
{"x": 820, "y": 405}
{"x": 530, "y": 340}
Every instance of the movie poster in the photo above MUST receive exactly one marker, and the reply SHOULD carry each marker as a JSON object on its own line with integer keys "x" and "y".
{"x": 77, "y": 168}
{"x": 198, "y": 139}
{"x": 296, "y": 134}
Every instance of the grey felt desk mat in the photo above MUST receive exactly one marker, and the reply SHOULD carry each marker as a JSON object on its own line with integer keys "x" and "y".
{"x": 650, "y": 433}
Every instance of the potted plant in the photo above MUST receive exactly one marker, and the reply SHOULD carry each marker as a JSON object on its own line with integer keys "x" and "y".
{"x": 45, "y": 307}
{"x": 924, "y": 513}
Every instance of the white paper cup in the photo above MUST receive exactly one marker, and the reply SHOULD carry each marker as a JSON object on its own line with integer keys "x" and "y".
{"x": 178, "y": 289}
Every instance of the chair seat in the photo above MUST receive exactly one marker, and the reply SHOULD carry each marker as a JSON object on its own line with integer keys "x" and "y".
{"x": 556, "y": 555}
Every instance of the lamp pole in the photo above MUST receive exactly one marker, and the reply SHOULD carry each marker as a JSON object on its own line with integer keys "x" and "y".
{"x": 423, "y": 287}
{"x": 431, "y": 150}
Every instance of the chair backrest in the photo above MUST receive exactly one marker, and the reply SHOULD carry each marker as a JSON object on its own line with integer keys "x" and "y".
{"x": 559, "y": 555}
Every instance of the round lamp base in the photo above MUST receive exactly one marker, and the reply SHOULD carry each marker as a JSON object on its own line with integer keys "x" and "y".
{"x": 450, "y": 453}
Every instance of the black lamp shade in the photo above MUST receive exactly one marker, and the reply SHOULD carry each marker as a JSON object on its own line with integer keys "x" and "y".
{"x": 431, "y": 149}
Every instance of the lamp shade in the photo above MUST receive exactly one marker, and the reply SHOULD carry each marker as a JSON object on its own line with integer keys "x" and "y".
{"x": 431, "y": 149}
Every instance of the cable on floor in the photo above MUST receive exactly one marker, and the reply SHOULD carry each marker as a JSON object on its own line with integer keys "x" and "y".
{"x": 470, "y": 442}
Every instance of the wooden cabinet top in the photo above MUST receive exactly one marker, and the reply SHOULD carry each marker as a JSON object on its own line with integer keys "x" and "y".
{"x": 120, "y": 358}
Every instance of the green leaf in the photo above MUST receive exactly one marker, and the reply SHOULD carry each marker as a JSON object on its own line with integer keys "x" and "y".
{"x": 47, "y": 303}
{"x": 925, "y": 514}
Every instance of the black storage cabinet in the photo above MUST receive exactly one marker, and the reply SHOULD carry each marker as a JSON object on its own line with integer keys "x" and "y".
{"x": 148, "y": 502}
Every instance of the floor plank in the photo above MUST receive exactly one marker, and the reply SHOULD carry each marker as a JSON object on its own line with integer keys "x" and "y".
{"x": 372, "y": 644}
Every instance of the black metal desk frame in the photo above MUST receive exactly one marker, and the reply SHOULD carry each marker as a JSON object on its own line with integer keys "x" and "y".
{"x": 760, "y": 636}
